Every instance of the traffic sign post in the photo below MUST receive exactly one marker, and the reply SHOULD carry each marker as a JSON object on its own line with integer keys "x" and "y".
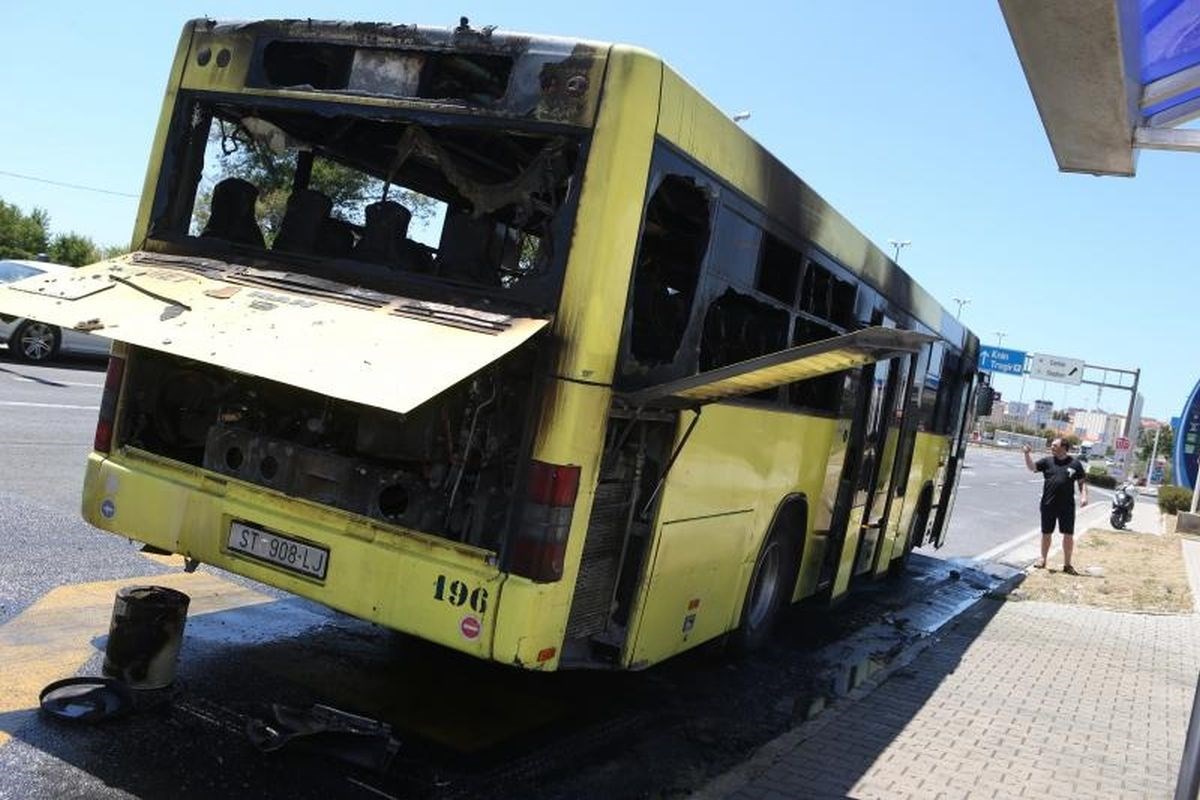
{"x": 1000, "y": 359}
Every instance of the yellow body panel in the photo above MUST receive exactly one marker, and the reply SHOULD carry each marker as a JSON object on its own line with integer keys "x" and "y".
{"x": 587, "y": 324}
{"x": 376, "y": 573}
{"x": 740, "y": 463}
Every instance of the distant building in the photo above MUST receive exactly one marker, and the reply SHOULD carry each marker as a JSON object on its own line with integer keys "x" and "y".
{"x": 1042, "y": 411}
{"x": 1099, "y": 426}
{"x": 1016, "y": 412}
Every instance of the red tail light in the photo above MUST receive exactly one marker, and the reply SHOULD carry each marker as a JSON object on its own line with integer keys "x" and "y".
{"x": 540, "y": 544}
{"x": 108, "y": 405}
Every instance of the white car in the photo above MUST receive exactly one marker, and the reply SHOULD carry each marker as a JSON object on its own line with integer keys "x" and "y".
{"x": 37, "y": 342}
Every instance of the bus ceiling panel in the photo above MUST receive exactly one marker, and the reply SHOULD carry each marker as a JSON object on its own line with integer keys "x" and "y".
{"x": 1082, "y": 61}
{"x": 464, "y": 70}
{"x": 279, "y": 326}
{"x": 786, "y": 366}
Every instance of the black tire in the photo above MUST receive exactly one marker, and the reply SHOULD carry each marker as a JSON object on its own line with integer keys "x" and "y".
{"x": 769, "y": 591}
{"x": 1117, "y": 520}
{"x": 35, "y": 342}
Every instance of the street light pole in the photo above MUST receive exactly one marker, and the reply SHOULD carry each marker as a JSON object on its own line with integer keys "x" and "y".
{"x": 962, "y": 301}
{"x": 897, "y": 246}
{"x": 1000, "y": 338}
{"x": 1153, "y": 456}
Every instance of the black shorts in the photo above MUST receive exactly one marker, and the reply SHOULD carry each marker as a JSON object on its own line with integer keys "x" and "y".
{"x": 1064, "y": 515}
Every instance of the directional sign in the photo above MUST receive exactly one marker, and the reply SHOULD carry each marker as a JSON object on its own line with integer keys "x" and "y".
{"x": 999, "y": 359}
{"x": 1056, "y": 369}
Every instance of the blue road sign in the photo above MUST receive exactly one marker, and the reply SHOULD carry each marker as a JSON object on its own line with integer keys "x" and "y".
{"x": 1187, "y": 442}
{"x": 999, "y": 359}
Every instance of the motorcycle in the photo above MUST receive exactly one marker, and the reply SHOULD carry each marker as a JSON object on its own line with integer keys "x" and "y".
{"x": 1122, "y": 506}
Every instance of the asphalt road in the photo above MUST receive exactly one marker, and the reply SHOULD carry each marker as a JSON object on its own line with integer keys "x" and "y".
{"x": 997, "y": 504}
{"x": 468, "y": 728}
{"x": 47, "y": 420}
{"x": 997, "y": 501}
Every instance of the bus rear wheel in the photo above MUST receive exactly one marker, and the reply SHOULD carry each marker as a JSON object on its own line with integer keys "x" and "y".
{"x": 768, "y": 592}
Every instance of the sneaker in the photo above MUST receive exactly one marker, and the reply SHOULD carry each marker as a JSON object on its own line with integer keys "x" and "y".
{"x": 1069, "y": 570}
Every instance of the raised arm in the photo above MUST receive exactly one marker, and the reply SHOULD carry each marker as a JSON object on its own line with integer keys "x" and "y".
{"x": 1028, "y": 458}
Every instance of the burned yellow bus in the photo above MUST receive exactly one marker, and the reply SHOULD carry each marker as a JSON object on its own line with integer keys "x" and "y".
{"x": 513, "y": 343}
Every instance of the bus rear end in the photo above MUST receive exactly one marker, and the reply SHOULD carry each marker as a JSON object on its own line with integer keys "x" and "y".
{"x": 333, "y": 340}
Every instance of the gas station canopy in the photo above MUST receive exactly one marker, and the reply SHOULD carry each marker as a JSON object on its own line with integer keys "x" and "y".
{"x": 1110, "y": 77}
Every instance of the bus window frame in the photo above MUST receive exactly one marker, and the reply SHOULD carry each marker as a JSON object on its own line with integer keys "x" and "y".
{"x": 174, "y": 186}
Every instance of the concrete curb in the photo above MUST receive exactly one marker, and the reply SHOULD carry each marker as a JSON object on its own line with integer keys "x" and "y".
{"x": 767, "y": 755}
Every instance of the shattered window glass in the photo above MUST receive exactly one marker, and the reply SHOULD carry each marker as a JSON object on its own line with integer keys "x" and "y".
{"x": 370, "y": 197}
{"x": 675, "y": 237}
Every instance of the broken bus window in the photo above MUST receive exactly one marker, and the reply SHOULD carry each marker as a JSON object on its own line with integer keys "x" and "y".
{"x": 371, "y": 198}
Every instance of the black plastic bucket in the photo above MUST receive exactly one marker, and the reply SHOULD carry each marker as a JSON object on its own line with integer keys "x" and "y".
{"x": 145, "y": 636}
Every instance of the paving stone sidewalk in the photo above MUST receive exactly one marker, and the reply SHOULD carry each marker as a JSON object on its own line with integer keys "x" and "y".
{"x": 1018, "y": 699}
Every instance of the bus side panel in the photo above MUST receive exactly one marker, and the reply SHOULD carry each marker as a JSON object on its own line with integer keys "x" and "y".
{"x": 441, "y": 591}
{"x": 587, "y": 326}
{"x": 720, "y": 498}
{"x": 929, "y": 458}
{"x": 883, "y": 552}
{"x": 692, "y": 588}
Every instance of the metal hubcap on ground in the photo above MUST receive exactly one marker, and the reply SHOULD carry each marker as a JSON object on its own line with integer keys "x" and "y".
{"x": 37, "y": 341}
{"x": 766, "y": 585}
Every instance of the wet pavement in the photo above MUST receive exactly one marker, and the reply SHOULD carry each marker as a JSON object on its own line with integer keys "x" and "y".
{"x": 465, "y": 728}
{"x": 1013, "y": 698}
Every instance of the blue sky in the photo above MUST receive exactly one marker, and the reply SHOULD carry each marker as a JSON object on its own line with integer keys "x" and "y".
{"x": 911, "y": 118}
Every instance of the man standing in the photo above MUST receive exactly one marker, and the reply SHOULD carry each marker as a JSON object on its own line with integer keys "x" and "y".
{"x": 1060, "y": 473}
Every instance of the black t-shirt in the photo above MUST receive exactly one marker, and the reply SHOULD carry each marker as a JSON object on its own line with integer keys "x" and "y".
{"x": 1059, "y": 477}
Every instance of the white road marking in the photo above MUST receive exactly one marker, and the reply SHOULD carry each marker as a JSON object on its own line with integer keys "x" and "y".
{"x": 48, "y": 405}
{"x": 1017, "y": 541}
{"x": 23, "y": 379}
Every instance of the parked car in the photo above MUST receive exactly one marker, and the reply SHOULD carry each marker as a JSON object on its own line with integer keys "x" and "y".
{"x": 33, "y": 341}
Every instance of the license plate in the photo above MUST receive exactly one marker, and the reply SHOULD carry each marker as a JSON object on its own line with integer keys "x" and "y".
{"x": 279, "y": 551}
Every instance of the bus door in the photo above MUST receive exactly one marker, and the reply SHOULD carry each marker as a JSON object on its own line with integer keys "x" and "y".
{"x": 878, "y": 499}
{"x": 847, "y": 353}
{"x": 856, "y": 531}
{"x": 958, "y": 449}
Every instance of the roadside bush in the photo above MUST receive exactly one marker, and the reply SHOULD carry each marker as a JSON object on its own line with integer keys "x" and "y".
{"x": 1173, "y": 499}
{"x": 1102, "y": 479}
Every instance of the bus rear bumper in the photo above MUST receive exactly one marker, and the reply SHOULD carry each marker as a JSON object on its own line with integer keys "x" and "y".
{"x": 439, "y": 590}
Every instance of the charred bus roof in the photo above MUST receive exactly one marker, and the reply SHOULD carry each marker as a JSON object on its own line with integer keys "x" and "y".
{"x": 452, "y": 69}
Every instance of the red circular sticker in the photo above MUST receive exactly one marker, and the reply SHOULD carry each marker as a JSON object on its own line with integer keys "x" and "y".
{"x": 469, "y": 627}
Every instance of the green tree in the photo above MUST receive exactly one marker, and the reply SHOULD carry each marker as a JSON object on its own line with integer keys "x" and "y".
{"x": 241, "y": 156}
{"x": 23, "y": 235}
{"x": 113, "y": 250}
{"x": 73, "y": 249}
{"x": 1166, "y": 443}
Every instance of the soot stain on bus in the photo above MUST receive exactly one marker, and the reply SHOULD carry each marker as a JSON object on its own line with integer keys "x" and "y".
{"x": 444, "y": 469}
{"x": 505, "y": 194}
